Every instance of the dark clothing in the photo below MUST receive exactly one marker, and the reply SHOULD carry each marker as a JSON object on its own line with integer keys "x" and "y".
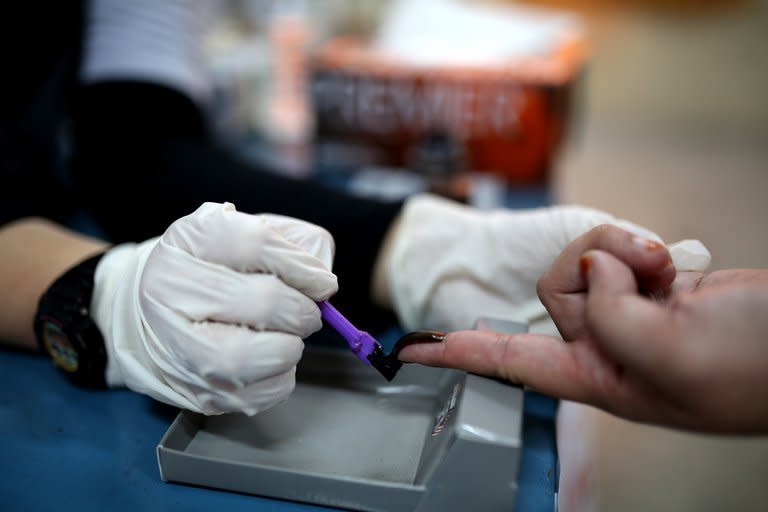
{"x": 143, "y": 158}
{"x": 40, "y": 54}
{"x": 135, "y": 156}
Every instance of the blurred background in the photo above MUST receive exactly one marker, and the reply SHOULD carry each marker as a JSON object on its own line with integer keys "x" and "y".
{"x": 654, "y": 110}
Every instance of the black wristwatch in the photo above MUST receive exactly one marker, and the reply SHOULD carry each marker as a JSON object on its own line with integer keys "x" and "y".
{"x": 65, "y": 330}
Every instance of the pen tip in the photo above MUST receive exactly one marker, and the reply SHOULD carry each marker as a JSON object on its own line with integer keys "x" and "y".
{"x": 387, "y": 365}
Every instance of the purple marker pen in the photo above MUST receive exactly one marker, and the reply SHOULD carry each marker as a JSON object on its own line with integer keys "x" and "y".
{"x": 362, "y": 344}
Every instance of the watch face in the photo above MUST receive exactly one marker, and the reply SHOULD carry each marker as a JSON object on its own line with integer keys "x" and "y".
{"x": 59, "y": 346}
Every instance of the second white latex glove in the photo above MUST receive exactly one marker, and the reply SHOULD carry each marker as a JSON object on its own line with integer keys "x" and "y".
{"x": 210, "y": 317}
{"x": 444, "y": 264}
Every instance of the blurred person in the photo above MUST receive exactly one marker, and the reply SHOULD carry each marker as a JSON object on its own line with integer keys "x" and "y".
{"x": 211, "y": 316}
{"x": 127, "y": 141}
{"x": 118, "y": 131}
{"x": 104, "y": 129}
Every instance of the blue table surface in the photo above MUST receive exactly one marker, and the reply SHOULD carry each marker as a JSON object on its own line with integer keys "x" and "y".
{"x": 66, "y": 448}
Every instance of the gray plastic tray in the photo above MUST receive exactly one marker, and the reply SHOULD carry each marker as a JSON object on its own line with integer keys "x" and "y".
{"x": 433, "y": 439}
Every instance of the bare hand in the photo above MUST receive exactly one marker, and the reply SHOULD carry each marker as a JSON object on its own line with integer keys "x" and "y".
{"x": 686, "y": 350}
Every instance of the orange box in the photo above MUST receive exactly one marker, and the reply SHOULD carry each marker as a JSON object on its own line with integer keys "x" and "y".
{"x": 509, "y": 119}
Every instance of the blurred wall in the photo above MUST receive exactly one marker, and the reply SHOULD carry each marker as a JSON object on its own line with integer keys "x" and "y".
{"x": 673, "y": 131}
{"x": 673, "y": 134}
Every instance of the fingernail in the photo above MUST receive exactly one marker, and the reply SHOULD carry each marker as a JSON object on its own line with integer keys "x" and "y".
{"x": 585, "y": 263}
{"x": 417, "y": 337}
{"x": 647, "y": 244}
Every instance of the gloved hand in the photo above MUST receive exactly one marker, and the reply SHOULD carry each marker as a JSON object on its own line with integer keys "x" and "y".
{"x": 210, "y": 317}
{"x": 444, "y": 264}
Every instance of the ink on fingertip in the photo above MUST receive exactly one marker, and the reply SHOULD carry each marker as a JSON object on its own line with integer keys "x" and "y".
{"x": 415, "y": 338}
{"x": 389, "y": 364}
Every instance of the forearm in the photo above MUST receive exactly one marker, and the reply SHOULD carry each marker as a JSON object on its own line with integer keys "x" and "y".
{"x": 33, "y": 253}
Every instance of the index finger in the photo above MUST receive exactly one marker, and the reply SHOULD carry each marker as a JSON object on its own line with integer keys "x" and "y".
{"x": 543, "y": 363}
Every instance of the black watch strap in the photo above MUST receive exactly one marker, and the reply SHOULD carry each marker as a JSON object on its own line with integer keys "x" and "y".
{"x": 65, "y": 330}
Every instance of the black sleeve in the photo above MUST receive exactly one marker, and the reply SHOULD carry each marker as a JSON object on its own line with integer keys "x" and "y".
{"x": 39, "y": 75}
{"x": 143, "y": 158}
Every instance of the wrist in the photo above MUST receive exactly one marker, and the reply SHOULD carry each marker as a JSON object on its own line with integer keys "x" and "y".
{"x": 114, "y": 283}
{"x": 106, "y": 282}
{"x": 64, "y": 326}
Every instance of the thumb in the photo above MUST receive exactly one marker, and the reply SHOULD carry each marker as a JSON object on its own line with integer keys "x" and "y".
{"x": 627, "y": 326}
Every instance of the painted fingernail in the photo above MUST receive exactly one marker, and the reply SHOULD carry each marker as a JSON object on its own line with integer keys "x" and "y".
{"x": 415, "y": 338}
{"x": 647, "y": 244}
{"x": 585, "y": 263}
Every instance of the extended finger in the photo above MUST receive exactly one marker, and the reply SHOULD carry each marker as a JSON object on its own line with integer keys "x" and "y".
{"x": 543, "y": 363}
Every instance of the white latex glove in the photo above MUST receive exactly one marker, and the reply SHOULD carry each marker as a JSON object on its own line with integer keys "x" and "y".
{"x": 445, "y": 264}
{"x": 210, "y": 317}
